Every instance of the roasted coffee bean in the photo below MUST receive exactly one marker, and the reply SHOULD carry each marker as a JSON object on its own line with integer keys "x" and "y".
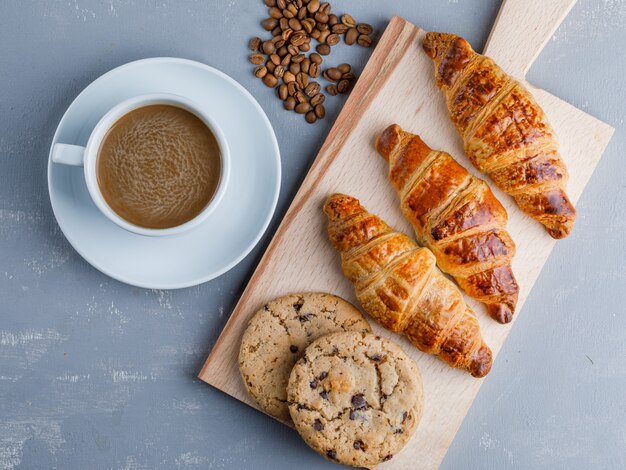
{"x": 257, "y": 59}
{"x": 270, "y": 80}
{"x": 288, "y": 14}
{"x": 288, "y": 77}
{"x": 331, "y": 90}
{"x": 286, "y": 60}
{"x": 276, "y": 31}
{"x": 306, "y": 47}
{"x": 318, "y": 99}
{"x": 320, "y": 111}
{"x": 282, "y": 52}
{"x": 270, "y": 3}
{"x": 344, "y": 68}
{"x": 260, "y": 71}
{"x": 332, "y": 39}
{"x": 348, "y": 76}
{"x": 364, "y": 40}
{"x": 333, "y": 74}
{"x": 339, "y": 28}
{"x": 321, "y": 17}
{"x": 333, "y": 20}
{"x": 283, "y": 94}
{"x": 301, "y": 13}
{"x": 323, "y": 36}
{"x": 280, "y": 42}
{"x": 316, "y": 58}
{"x": 315, "y": 70}
{"x": 315, "y": 34}
{"x": 279, "y": 71}
{"x": 293, "y": 9}
{"x": 312, "y": 89}
{"x": 282, "y": 4}
{"x": 351, "y": 36}
{"x": 296, "y": 59}
{"x": 286, "y": 34}
{"x": 269, "y": 24}
{"x": 313, "y": 6}
{"x": 323, "y": 49}
{"x": 298, "y": 38}
{"x": 294, "y": 68}
{"x": 325, "y": 8}
{"x": 343, "y": 86}
{"x": 302, "y": 79}
{"x": 284, "y": 24}
{"x": 300, "y": 97}
{"x": 275, "y": 59}
{"x": 275, "y": 39}
{"x": 308, "y": 25}
{"x": 268, "y": 47}
{"x": 275, "y": 13}
{"x": 310, "y": 117}
{"x": 305, "y": 65}
{"x": 270, "y": 66}
{"x": 323, "y": 27}
{"x": 348, "y": 21}
{"x": 292, "y": 87}
{"x": 293, "y": 50}
{"x": 303, "y": 108}
{"x": 255, "y": 44}
{"x": 365, "y": 28}
{"x": 295, "y": 24}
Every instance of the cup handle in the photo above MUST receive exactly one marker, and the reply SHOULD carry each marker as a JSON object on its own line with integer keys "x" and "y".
{"x": 68, "y": 154}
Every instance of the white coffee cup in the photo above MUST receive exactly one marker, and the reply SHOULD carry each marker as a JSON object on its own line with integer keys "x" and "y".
{"x": 76, "y": 155}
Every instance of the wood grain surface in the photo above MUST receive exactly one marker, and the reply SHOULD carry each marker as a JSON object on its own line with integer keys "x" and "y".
{"x": 398, "y": 85}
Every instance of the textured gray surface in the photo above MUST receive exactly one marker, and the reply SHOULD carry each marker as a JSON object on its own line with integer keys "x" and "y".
{"x": 97, "y": 374}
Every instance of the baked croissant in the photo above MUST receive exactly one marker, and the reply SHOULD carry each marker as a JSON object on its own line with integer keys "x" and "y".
{"x": 398, "y": 284}
{"x": 505, "y": 132}
{"x": 455, "y": 215}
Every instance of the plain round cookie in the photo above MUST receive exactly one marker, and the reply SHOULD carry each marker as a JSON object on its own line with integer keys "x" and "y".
{"x": 277, "y": 336}
{"x": 355, "y": 398}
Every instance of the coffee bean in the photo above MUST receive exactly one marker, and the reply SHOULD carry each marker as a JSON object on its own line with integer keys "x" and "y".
{"x": 333, "y": 74}
{"x": 315, "y": 34}
{"x": 301, "y": 13}
{"x": 275, "y": 13}
{"x": 310, "y": 117}
{"x": 331, "y": 90}
{"x": 296, "y": 59}
{"x": 365, "y": 28}
{"x": 348, "y": 76}
{"x": 302, "y": 79}
{"x": 288, "y": 14}
{"x": 321, "y": 17}
{"x": 347, "y": 20}
{"x": 284, "y": 24}
{"x": 286, "y": 60}
{"x": 292, "y": 87}
{"x": 364, "y": 40}
{"x": 282, "y": 51}
{"x": 323, "y": 49}
{"x": 275, "y": 59}
{"x": 305, "y": 65}
{"x": 295, "y": 24}
{"x": 282, "y": 4}
{"x": 293, "y": 9}
{"x": 333, "y": 20}
{"x": 283, "y": 94}
{"x": 332, "y": 39}
{"x": 270, "y": 80}
{"x": 320, "y": 111}
{"x": 270, "y": 66}
{"x": 269, "y": 24}
{"x": 316, "y": 58}
{"x": 257, "y": 59}
{"x": 293, "y": 50}
{"x": 315, "y": 70}
{"x": 306, "y": 47}
{"x": 358, "y": 401}
{"x": 298, "y": 38}
{"x": 288, "y": 77}
{"x": 313, "y": 6}
{"x": 318, "y": 99}
{"x": 286, "y": 34}
{"x": 260, "y": 71}
{"x": 343, "y": 86}
{"x": 351, "y": 36}
{"x": 344, "y": 68}
{"x": 268, "y": 47}
{"x": 276, "y": 31}
{"x": 300, "y": 97}
{"x": 279, "y": 71}
{"x": 323, "y": 36}
{"x": 308, "y": 25}
{"x": 294, "y": 68}
{"x": 255, "y": 44}
{"x": 323, "y": 27}
{"x": 279, "y": 42}
{"x": 312, "y": 89}
{"x": 339, "y": 28}
{"x": 325, "y": 8}
{"x": 270, "y": 3}
{"x": 303, "y": 108}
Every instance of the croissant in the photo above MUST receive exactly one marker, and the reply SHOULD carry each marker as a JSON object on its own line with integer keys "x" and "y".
{"x": 398, "y": 284}
{"x": 505, "y": 132}
{"x": 455, "y": 215}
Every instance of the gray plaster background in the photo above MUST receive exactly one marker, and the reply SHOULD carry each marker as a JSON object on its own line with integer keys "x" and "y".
{"x": 98, "y": 374}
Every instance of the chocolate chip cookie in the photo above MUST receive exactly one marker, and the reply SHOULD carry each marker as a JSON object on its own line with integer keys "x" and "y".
{"x": 277, "y": 336}
{"x": 355, "y": 398}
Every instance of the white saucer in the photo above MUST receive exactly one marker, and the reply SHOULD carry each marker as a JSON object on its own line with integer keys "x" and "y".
{"x": 228, "y": 235}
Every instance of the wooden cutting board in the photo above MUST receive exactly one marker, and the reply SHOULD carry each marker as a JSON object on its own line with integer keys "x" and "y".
{"x": 398, "y": 86}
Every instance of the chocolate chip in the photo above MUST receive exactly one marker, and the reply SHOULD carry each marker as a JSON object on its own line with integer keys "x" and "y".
{"x": 323, "y": 375}
{"x": 358, "y": 444}
{"x": 266, "y": 307}
{"x": 353, "y": 415}
{"x": 293, "y": 348}
{"x": 298, "y": 305}
{"x": 317, "y": 425}
{"x": 375, "y": 357}
{"x": 388, "y": 457}
{"x": 331, "y": 454}
{"x": 398, "y": 431}
{"x": 305, "y": 317}
{"x": 358, "y": 401}
{"x": 313, "y": 384}
{"x": 404, "y": 416}
{"x": 324, "y": 395}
